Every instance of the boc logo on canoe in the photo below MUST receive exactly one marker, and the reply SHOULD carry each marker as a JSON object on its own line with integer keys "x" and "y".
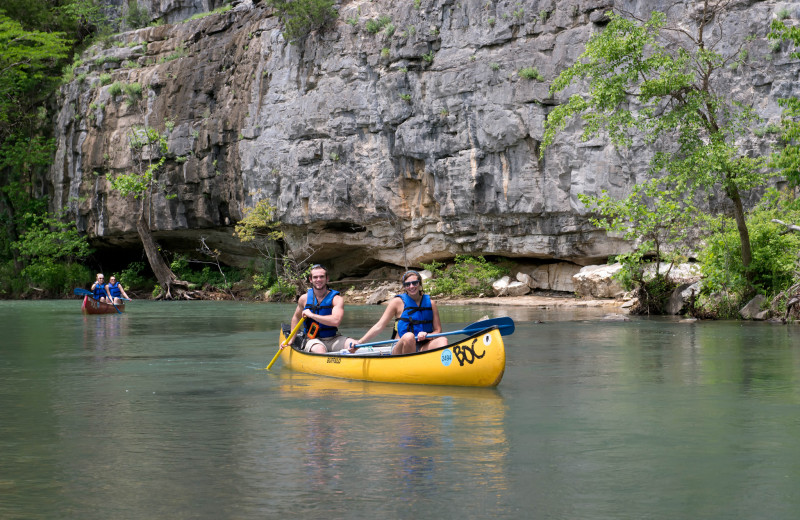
{"x": 466, "y": 353}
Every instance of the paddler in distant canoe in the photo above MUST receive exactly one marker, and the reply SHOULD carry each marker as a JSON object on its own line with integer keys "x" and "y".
{"x": 323, "y": 309}
{"x": 417, "y": 316}
{"x": 99, "y": 290}
{"x": 116, "y": 291}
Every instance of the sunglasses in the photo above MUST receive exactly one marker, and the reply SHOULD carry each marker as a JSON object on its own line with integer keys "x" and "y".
{"x": 412, "y": 283}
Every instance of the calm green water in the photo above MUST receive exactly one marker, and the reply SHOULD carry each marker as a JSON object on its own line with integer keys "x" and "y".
{"x": 166, "y": 412}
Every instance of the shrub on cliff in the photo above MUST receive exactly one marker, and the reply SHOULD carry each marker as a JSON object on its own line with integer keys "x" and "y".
{"x": 301, "y": 17}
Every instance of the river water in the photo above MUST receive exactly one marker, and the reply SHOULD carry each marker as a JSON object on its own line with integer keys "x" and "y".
{"x": 166, "y": 411}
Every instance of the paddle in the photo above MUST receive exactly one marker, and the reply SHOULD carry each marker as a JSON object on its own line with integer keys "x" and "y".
{"x": 505, "y": 324}
{"x": 114, "y": 305}
{"x": 286, "y": 342}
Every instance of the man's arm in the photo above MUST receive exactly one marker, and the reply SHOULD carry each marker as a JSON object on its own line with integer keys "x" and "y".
{"x": 298, "y": 312}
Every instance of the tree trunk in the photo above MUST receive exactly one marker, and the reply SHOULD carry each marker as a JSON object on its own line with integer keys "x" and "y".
{"x": 11, "y": 228}
{"x": 744, "y": 234}
{"x": 166, "y": 278}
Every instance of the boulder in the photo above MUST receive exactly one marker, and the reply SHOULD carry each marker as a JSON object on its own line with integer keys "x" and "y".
{"x": 505, "y": 287}
{"x": 500, "y": 287}
{"x": 517, "y": 289}
{"x": 380, "y": 295}
{"x": 526, "y": 279}
{"x": 552, "y": 277}
{"x": 752, "y": 311}
{"x": 597, "y": 281}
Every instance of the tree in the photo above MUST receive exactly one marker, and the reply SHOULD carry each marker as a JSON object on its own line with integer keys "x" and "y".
{"x": 27, "y": 65}
{"x": 51, "y": 249}
{"x": 665, "y": 84}
{"x": 148, "y": 148}
{"x": 37, "y": 39}
{"x": 259, "y": 228}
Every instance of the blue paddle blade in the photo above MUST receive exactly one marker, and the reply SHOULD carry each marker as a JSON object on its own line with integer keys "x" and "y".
{"x": 505, "y": 324}
{"x": 82, "y": 292}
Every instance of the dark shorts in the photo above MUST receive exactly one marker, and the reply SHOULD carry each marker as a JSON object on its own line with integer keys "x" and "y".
{"x": 422, "y": 343}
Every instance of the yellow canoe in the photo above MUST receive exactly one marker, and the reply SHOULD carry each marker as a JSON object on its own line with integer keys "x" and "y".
{"x": 479, "y": 360}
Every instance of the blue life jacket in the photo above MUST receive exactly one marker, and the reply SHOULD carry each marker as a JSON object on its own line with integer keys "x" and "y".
{"x": 113, "y": 289}
{"x": 415, "y": 318}
{"x": 99, "y": 291}
{"x": 323, "y": 308}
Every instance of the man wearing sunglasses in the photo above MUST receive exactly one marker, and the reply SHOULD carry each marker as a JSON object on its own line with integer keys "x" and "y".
{"x": 323, "y": 309}
{"x": 416, "y": 315}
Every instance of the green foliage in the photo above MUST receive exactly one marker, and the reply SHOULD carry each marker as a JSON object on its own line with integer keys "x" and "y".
{"x": 37, "y": 40}
{"x": 787, "y": 160}
{"x": 258, "y": 223}
{"x": 143, "y": 140}
{"x": 283, "y": 290}
{"x": 531, "y": 73}
{"x": 134, "y": 277}
{"x": 179, "y": 52}
{"x": 137, "y": 16}
{"x": 263, "y": 281}
{"x": 105, "y": 79}
{"x": 775, "y": 252}
{"x": 50, "y": 250}
{"x": 115, "y": 89}
{"x": 301, "y": 17}
{"x": 672, "y": 87}
{"x": 654, "y": 217}
{"x": 133, "y": 93}
{"x": 56, "y": 278}
{"x": 207, "y": 276}
{"x": 653, "y": 294}
{"x": 48, "y": 237}
{"x": 28, "y": 64}
{"x": 467, "y": 276}
{"x": 11, "y": 283}
{"x": 218, "y": 10}
{"x": 375, "y": 26}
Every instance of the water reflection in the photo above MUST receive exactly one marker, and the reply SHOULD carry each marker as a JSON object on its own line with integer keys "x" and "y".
{"x": 405, "y": 438}
{"x": 103, "y": 331}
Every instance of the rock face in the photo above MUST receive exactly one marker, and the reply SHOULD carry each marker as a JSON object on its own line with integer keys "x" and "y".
{"x": 420, "y": 139}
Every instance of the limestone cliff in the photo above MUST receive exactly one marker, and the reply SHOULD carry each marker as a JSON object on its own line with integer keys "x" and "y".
{"x": 422, "y": 133}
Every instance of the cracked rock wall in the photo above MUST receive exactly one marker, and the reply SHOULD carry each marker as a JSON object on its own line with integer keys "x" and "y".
{"x": 421, "y": 136}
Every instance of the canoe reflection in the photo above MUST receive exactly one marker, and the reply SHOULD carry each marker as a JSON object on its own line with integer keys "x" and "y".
{"x": 418, "y": 432}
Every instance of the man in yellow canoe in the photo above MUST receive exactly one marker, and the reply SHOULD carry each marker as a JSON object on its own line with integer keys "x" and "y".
{"x": 416, "y": 315}
{"x": 323, "y": 309}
